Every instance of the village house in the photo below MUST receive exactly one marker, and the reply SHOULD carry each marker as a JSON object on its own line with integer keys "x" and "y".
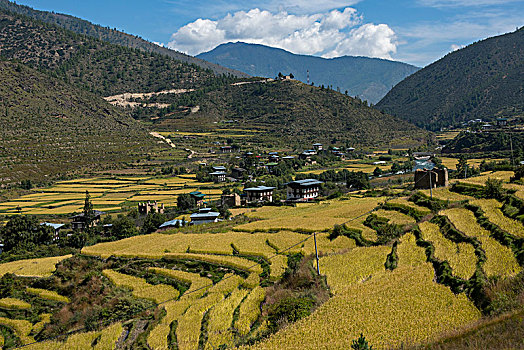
{"x": 150, "y": 207}
{"x": 425, "y": 179}
{"x": 317, "y": 146}
{"x": 226, "y": 149}
{"x": 288, "y": 157}
{"x": 259, "y": 194}
{"x": 303, "y": 190}
{"x": 501, "y": 122}
{"x": 80, "y": 223}
{"x": 204, "y": 216}
{"x": 238, "y": 173}
{"x": 199, "y": 197}
{"x": 231, "y": 200}
{"x": 171, "y": 225}
{"x": 271, "y": 166}
{"x": 219, "y": 168}
{"x": 218, "y": 176}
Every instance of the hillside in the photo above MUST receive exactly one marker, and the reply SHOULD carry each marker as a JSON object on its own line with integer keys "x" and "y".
{"x": 484, "y": 80}
{"x": 52, "y": 128}
{"x": 95, "y": 65}
{"x": 368, "y": 78}
{"x": 289, "y": 113}
{"x": 112, "y": 36}
{"x": 496, "y": 141}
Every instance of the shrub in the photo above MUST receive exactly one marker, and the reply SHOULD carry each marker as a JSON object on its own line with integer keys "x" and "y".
{"x": 288, "y": 310}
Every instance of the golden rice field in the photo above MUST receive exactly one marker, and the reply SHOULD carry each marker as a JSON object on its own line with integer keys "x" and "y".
{"x": 395, "y": 217}
{"x": 250, "y": 310}
{"x": 44, "y": 319}
{"x": 399, "y": 306}
{"x": 107, "y": 194}
{"x": 404, "y": 201}
{"x": 445, "y": 194}
{"x": 311, "y": 216}
{"x": 409, "y": 254}
{"x": 48, "y": 294}
{"x": 13, "y": 304}
{"x": 491, "y": 208}
{"x": 21, "y": 328}
{"x": 500, "y": 259}
{"x": 481, "y": 180}
{"x": 461, "y": 257}
{"x": 107, "y": 339}
{"x": 43, "y": 267}
{"x": 140, "y": 288}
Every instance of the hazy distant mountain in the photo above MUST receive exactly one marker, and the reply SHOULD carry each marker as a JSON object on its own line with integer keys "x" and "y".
{"x": 368, "y": 78}
{"x": 484, "y": 80}
{"x": 110, "y": 35}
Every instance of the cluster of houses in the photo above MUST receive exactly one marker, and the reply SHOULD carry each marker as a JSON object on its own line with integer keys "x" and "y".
{"x": 499, "y": 123}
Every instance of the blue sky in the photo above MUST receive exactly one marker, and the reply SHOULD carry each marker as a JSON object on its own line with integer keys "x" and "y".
{"x": 417, "y": 32}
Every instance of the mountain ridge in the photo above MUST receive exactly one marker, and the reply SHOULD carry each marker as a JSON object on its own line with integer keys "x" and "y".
{"x": 483, "y": 80}
{"x": 369, "y": 78}
{"x": 113, "y": 36}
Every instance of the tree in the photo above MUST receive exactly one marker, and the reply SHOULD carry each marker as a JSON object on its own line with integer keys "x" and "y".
{"x": 152, "y": 222}
{"x": 124, "y": 227}
{"x": 462, "y": 166}
{"x": 24, "y": 233}
{"x": 88, "y": 211}
{"x": 361, "y": 344}
{"x": 494, "y": 189}
{"x": 377, "y": 172}
{"x": 185, "y": 202}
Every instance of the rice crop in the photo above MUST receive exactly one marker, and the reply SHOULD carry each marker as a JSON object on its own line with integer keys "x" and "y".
{"x": 21, "y": 328}
{"x": 358, "y": 265}
{"x": 312, "y": 216}
{"x": 461, "y": 257}
{"x": 491, "y": 208}
{"x": 395, "y": 217}
{"x": 445, "y": 194}
{"x": 48, "y": 294}
{"x": 481, "y": 180}
{"x": 500, "y": 259}
{"x": 404, "y": 201}
{"x": 220, "y": 320}
{"x": 44, "y": 319}
{"x": 409, "y": 254}
{"x": 140, "y": 288}
{"x": 157, "y": 338}
{"x": 43, "y": 267}
{"x": 401, "y": 306}
{"x": 13, "y": 304}
{"x": 250, "y": 310}
{"x": 189, "y": 324}
{"x": 198, "y": 284}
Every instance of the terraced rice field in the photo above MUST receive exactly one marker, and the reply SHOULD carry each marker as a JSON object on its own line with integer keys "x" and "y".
{"x": 107, "y": 194}
{"x": 461, "y": 257}
{"x": 399, "y": 306}
{"x": 312, "y": 216}
{"x": 445, "y": 194}
{"x": 491, "y": 208}
{"x": 395, "y": 217}
{"x": 500, "y": 259}
{"x": 481, "y": 180}
{"x": 43, "y": 267}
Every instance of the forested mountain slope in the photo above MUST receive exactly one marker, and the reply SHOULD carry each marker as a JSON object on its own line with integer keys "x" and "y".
{"x": 50, "y": 127}
{"x": 484, "y": 80}
{"x": 95, "y": 65}
{"x": 368, "y": 78}
{"x": 112, "y": 36}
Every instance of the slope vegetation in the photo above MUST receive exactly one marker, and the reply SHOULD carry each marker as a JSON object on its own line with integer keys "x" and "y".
{"x": 293, "y": 113}
{"x": 484, "y": 80}
{"x": 98, "y": 66}
{"x": 369, "y": 78}
{"x": 51, "y": 128}
{"x": 112, "y": 36}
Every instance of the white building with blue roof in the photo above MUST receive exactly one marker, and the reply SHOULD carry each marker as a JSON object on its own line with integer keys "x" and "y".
{"x": 303, "y": 190}
{"x": 204, "y": 216}
{"x": 259, "y": 194}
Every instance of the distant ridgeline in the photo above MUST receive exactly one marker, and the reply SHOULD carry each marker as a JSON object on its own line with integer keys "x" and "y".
{"x": 112, "y": 36}
{"x": 102, "y": 68}
{"x": 368, "y": 78}
{"x": 500, "y": 141}
{"x": 483, "y": 80}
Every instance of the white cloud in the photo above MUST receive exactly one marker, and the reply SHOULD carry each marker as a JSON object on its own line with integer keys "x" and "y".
{"x": 455, "y": 47}
{"x": 368, "y": 40}
{"x": 332, "y": 33}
